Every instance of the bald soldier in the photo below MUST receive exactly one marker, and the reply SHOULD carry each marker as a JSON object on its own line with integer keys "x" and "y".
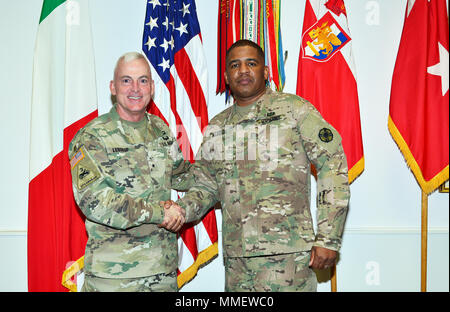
{"x": 255, "y": 160}
{"x": 124, "y": 163}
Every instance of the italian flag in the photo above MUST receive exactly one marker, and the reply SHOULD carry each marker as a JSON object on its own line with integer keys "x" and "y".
{"x": 64, "y": 99}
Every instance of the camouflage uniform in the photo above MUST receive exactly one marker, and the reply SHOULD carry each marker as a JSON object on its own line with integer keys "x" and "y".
{"x": 286, "y": 272}
{"x": 264, "y": 189}
{"x": 120, "y": 173}
{"x": 160, "y": 282}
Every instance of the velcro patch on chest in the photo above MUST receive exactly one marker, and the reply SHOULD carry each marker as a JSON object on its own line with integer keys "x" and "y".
{"x": 269, "y": 119}
{"x": 120, "y": 149}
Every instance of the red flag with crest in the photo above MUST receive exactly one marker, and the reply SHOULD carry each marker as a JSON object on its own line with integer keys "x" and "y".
{"x": 327, "y": 78}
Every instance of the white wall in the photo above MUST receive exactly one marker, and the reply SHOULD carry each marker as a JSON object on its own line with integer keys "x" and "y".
{"x": 381, "y": 247}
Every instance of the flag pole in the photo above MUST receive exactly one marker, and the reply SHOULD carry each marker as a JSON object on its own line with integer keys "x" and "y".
{"x": 333, "y": 279}
{"x": 423, "y": 274}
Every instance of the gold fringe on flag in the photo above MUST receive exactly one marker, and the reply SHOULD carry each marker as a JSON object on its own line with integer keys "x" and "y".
{"x": 427, "y": 186}
{"x": 203, "y": 258}
{"x": 70, "y": 274}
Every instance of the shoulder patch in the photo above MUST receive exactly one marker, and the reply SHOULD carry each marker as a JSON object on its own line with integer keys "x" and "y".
{"x": 86, "y": 176}
{"x": 84, "y": 171}
{"x": 76, "y": 158}
{"x": 325, "y": 135}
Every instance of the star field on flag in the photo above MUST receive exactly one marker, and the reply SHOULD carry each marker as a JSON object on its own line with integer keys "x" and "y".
{"x": 170, "y": 25}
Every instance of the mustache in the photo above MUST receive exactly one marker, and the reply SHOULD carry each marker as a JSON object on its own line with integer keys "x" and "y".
{"x": 244, "y": 77}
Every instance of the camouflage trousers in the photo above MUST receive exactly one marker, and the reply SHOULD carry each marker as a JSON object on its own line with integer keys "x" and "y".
{"x": 155, "y": 283}
{"x": 287, "y": 272}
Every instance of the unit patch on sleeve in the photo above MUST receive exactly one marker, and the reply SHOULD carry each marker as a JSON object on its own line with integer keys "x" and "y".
{"x": 325, "y": 135}
{"x": 84, "y": 170}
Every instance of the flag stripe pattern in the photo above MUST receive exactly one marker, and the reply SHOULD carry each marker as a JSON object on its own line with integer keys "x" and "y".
{"x": 64, "y": 99}
{"x": 326, "y": 75}
{"x": 419, "y": 105}
{"x": 173, "y": 46}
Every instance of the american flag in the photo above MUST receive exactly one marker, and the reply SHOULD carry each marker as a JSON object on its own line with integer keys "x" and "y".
{"x": 172, "y": 44}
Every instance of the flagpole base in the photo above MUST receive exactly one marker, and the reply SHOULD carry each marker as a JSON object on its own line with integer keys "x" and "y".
{"x": 423, "y": 273}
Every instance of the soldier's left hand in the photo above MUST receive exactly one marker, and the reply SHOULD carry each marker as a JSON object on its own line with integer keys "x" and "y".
{"x": 322, "y": 258}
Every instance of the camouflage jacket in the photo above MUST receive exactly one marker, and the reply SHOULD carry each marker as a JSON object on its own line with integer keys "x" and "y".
{"x": 118, "y": 180}
{"x": 258, "y": 167}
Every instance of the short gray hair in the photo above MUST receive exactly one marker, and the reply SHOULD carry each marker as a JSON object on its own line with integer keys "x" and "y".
{"x": 128, "y": 57}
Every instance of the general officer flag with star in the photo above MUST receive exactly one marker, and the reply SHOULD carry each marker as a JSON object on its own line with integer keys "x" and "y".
{"x": 418, "y": 113}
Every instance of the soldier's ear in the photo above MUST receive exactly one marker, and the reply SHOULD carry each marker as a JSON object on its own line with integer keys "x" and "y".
{"x": 112, "y": 87}
{"x": 266, "y": 72}
{"x": 226, "y": 77}
{"x": 152, "y": 88}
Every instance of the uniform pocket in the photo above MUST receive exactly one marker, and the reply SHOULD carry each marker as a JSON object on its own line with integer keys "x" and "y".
{"x": 159, "y": 164}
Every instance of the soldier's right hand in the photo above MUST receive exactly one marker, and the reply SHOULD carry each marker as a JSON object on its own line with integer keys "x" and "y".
{"x": 174, "y": 216}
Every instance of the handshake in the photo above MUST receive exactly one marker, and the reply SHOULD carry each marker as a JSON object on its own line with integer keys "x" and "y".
{"x": 174, "y": 216}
